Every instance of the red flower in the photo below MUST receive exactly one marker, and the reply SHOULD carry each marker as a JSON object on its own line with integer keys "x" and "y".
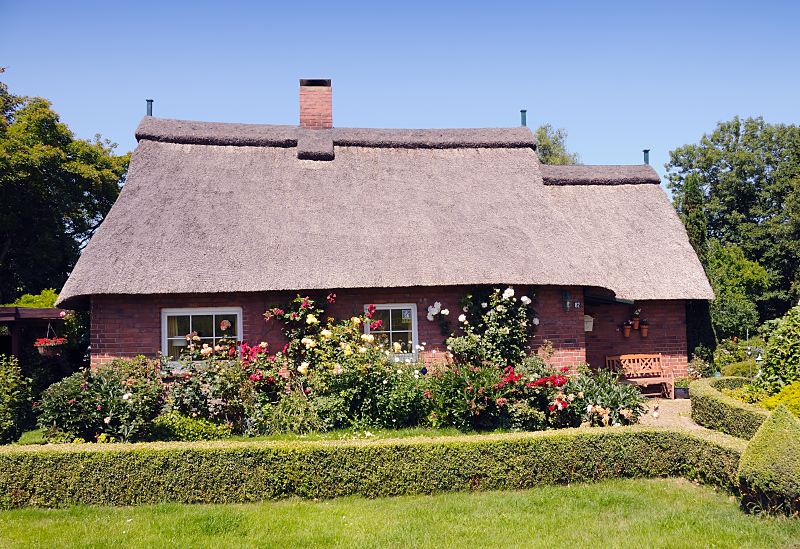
{"x": 370, "y": 310}
{"x": 552, "y": 407}
{"x": 331, "y": 297}
{"x": 305, "y": 304}
{"x": 71, "y": 401}
{"x": 375, "y": 324}
{"x": 426, "y": 393}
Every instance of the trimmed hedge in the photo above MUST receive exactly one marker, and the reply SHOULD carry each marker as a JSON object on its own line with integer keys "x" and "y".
{"x": 715, "y": 410}
{"x": 769, "y": 471}
{"x": 235, "y": 472}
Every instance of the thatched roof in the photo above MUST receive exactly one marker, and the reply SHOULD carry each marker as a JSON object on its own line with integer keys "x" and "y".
{"x": 237, "y": 208}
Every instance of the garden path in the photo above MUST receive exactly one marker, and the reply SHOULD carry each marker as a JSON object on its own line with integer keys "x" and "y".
{"x": 671, "y": 413}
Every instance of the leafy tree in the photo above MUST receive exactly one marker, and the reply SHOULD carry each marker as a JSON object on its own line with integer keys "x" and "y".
{"x": 737, "y": 283}
{"x": 748, "y": 173}
{"x": 45, "y": 298}
{"x": 691, "y": 208}
{"x": 56, "y": 190}
{"x": 552, "y": 146}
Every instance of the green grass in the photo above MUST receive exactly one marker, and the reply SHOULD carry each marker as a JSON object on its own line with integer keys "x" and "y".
{"x": 36, "y": 436}
{"x": 32, "y": 437}
{"x": 619, "y": 513}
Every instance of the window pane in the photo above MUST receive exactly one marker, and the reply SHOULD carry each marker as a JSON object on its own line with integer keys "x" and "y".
{"x": 404, "y": 339}
{"x": 203, "y": 325}
{"x": 401, "y": 319}
{"x": 383, "y": 316}
{"x": 177, "y": 326}
{"x": 233, "y": 330}
{"x": 381, "y": 338}
{"x": 175, "y": 347}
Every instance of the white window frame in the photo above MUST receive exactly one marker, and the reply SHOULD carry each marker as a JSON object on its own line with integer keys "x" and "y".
{"x": 414, "y": 326}
{"x": 197, "y": 311}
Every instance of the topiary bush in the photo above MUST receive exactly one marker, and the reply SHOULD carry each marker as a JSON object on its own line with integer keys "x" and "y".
{"x": 14, "y": 399}
{"x": 238, "y": 472}
{"x": 769, "y": 471}
{"x": 789, "y": 397}
{"x": 174, "y": 426}
{"x": 715, "y": 410}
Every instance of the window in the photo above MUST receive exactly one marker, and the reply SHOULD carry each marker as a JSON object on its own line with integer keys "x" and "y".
{"x": 398, "y": 325}
{"x": 208, "y": 323}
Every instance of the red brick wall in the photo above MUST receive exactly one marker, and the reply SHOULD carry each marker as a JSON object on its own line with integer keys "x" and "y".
{"x": 124, "y": 326}
{"x": 563, "y": 328}
{"x": 667, "y": 334}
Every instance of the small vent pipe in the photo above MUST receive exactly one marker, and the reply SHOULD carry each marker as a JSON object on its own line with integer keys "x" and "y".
{"x": 149, "y": 107}
{"x": 523, "y": 115}
{"x": 646, "y": 156}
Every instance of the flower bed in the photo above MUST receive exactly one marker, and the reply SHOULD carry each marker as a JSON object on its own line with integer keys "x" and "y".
{"x": 235, "y": 472}
{"x": 715, "y": 410}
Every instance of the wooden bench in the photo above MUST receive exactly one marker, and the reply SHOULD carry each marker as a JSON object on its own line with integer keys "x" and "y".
{"x": 642, "y": 371}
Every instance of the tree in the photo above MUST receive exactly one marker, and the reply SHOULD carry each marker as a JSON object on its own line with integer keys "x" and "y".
{"x": 738, "y": 283}
{"x": 56, "y": 190}
{"x": 691, "y": 209}
{"x": 552, "y": 146}
{"x": 748, "y": 174}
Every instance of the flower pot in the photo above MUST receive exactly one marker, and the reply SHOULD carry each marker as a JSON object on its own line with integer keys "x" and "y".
{"x": 626, "y": 331}
{"x": 681, "y": 392}
{"x": 49, "y": 351}
{"x": 635, "y": 323}
{"x": 645, "y": 329}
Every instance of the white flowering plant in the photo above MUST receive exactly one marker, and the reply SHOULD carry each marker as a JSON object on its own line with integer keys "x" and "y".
{"x": 497, "y": 327}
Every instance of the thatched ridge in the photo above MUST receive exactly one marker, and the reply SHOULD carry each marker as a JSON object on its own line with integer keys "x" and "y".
{"x": 231, "y": 208}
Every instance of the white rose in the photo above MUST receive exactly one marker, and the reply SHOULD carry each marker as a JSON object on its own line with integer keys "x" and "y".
{"x": 508, "y": 293}
{"x": 462, "y": 318}
{"x": 536, "y": 321}
{"x": 484, "y": 304}
{"x": 445, "y": 312}
{"x": 126, "y": 396}
{"x": 437, "y": 306}
{"x": 303, "y": 368}
{"x": 525, "y": 299}
{"x": 430, "y": 317}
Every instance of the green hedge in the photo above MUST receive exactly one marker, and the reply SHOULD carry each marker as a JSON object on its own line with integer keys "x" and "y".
{"x": 233, "y": 472}
{"x": 769, "y": 470}
{"x": 715, "y": 410}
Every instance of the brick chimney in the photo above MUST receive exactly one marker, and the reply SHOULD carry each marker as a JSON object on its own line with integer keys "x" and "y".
{"x": 316, "y": 110}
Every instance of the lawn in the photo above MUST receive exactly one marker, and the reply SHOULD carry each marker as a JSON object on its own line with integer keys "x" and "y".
{"x": 619, "y": 513}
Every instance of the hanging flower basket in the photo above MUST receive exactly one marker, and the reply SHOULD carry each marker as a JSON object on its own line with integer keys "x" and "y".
{"x": 50, "y": 346}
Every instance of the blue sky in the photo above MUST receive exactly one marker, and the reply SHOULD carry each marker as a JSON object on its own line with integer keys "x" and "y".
{"x": 619, "y": 76}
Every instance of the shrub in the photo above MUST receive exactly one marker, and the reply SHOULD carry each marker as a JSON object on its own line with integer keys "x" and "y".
{"x": 174, "y": 426}
{"x": 497, "y": 328}
{"x": 715, "y": 410}
{"x": 602, "y": 400}
{"x": 236, "y": 472}
{"x": 782, "y": 354}
{"x": 14, "y": 399}
{"x": 744, "y": 368}
{"x": 292, "y": 414}
{"x": 789, "y": 397}
{"x": 119, "y": 399}
{"x": 215, "y": 390}
{"x": 769, "y": 471}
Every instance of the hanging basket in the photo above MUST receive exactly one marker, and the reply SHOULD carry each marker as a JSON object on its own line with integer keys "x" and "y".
{"x": 50, "y": 350}
{"x": 50, "y": 346}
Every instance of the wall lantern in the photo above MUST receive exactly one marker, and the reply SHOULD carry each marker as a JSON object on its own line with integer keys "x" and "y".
{"x": 566, "y": 299}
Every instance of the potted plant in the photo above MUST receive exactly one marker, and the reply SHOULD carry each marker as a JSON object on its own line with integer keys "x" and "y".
{"x": 636, "y": 314}
{"x": 644, "y": 327}
{"x": 681, "y": 388}
{"x": 50, "y": 346}
{"x": 626, "y": 328}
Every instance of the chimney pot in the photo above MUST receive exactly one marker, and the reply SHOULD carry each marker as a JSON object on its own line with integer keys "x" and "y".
{"x": 149, "y": 107}
{"x": 316, "y": 110}
{"x": 646, "y": 156}
{"x": 523, "y": 115}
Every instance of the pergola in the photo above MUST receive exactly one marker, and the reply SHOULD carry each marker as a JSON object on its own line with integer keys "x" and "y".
{"x": 20, "y": 320}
